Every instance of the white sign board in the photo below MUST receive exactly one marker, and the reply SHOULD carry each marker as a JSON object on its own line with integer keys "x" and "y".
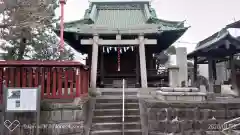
{"x": 22, "y": 99}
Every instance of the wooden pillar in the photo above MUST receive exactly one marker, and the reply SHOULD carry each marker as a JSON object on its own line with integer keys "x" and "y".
{"x": 102, "y": 67}
{"x": 233, "y": 73}
{"x": 150, "y": 57}
{"x": 195, "y": 70}
{"x": 142, "y": 55}
{"x": 137, "y": 67}
{"x": 93, "y": 82}
{"x": 90, "y": 56}
{"x": 210, "y": 72}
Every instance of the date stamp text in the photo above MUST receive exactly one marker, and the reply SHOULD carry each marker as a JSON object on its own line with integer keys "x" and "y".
{"x": 220, "y": 126}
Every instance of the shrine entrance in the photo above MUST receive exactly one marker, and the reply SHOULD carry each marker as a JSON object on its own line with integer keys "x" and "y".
{"x": 117, "y": 63}
{"x": 130, "y": 30}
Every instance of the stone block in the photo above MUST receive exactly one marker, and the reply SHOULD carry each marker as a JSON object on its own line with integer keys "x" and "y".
{"x": 171, "y": 113}
{"x": 214, "y": 133}
{"x": 189, "y": 114}
{"x": 189, "y": 132}
{"x": 67, "y": 115}
{"x": 55, "y": 115}
{"x": 231, "y": 113}
{"x": 156, "y": 133}
{"x": 199, "y": 98}
{"x": 197, "y": 113}
{"x": 167, "y": 89}
{"x": 203, "y": 89}
{"x": 186, "y": 125}
{"x": 181, "y": 113}
{"x": 169, "y": 127}
{"x": 174, "y": 127}
{"x": 162, "y": 114}
{"x": 171, "y": 98}
{"x": 219, "y": 114}
{"x": 186, "y": 89}
{"x": 152, "y": 113}
{"x": 78, "y": 115}
{"x": 205, "y": 114}
{"x": 196, "y": 125}
{"x": 198, "y": 133}
{"x": 160, "y": 126}
{"x": 45, "y": 116}
{"x": 185, "y": 98}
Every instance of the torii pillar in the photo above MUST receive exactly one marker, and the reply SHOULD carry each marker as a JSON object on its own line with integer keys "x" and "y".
{"x": 142, "y": 55}
{"x": 93, "y": 82}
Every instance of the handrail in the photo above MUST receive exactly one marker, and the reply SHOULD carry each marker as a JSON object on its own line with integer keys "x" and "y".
{"x": 231, "y": 127}
{"x": 123, "y": 107}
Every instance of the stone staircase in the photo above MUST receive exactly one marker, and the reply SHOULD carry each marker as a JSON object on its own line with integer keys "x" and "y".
{"x": 107, "y": 117}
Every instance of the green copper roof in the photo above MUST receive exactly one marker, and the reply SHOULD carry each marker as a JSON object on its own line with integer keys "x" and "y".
{"x": 111, "y": 16}
{"x": 125, "y": 18}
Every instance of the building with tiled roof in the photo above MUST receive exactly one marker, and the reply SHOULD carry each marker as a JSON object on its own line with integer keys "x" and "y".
{"x": 120, "y": 39}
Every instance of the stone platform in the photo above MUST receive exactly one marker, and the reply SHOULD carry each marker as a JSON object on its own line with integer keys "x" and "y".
{"x": 180, "y": 94}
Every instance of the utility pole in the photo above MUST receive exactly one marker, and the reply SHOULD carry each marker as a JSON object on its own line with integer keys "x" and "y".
{"x": 61, "y": 47}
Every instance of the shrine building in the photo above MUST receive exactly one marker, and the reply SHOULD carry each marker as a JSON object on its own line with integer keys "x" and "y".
{"x": 120, "y": 39}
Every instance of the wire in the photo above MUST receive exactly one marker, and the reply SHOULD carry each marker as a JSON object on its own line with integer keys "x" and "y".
{"x": 185, "y": 42}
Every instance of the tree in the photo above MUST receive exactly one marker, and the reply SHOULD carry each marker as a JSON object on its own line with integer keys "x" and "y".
{"x": 47, "y": 49}
{"x": 163, "y": 57}
{"x": 171, "y": 50}
{"x": 30, "y": 33}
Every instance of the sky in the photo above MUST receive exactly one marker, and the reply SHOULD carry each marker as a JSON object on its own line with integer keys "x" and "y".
{"x": 204, "y": 16}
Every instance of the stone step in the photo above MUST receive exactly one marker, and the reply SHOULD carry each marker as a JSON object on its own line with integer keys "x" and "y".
{"x": 116, "y": 105}
{"x": 115, "y": 125}
{"x": 117, "y": 132}
{"x": 102, "y": 112}
{"x": 118, "y": 89}
{"x": 116, "y": 118}
{"x": 112, "y": 93}
{"x": 116, "y": 99}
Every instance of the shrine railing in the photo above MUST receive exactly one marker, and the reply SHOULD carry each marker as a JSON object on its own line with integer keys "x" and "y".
{"x": 65, "y": 79}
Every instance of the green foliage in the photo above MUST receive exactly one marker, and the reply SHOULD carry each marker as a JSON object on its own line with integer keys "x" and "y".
{"x": 171, "y": 50}
{"x": 31, "y": 35}
{"x": 163, "y": 57}
{"x": 47, "y": 49}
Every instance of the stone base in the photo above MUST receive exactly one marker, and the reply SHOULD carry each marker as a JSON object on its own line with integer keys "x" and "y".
{"x": 181, "y": 98}
{"x": 180, "y": 94}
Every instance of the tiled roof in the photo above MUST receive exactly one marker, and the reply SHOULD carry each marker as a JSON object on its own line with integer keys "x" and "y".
{"x": 120, "y": 18}
{"x": 214, "y": 40}
{"x": 120, "y": 15}
{"x": 234, "y": 25}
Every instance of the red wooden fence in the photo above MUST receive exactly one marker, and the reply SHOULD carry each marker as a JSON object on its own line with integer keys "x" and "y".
{"x": 63, "y": 79}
